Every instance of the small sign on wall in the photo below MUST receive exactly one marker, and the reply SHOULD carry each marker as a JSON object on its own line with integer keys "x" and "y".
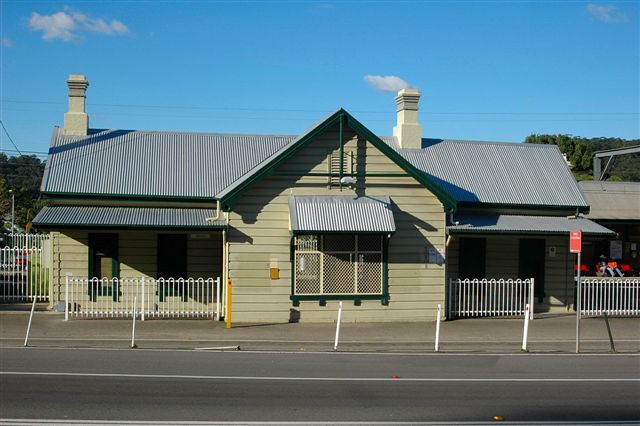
{"x": 615, "y": 249}
{"x": 552, "y": 251}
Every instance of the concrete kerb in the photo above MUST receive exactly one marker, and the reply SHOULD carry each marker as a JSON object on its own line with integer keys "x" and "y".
{"x": 551, "y": 334}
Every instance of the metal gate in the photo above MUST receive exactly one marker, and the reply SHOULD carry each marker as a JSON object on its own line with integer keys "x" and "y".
{"x": 25, "y": 264}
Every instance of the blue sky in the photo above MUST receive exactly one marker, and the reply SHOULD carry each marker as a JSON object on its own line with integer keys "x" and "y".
{"x": 487, "y": 70}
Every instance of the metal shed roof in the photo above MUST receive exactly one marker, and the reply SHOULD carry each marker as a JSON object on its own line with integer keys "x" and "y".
{"x": 512, "y": 224}
{"x": 612, "y": 200}
{"x": 343, "y": 213}
{"x": 125, "y": 217}
{"x": 498, "y": 173}
{"x": 153, "y": 164}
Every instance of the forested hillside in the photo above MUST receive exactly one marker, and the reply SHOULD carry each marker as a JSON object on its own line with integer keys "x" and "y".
{"x": 579, "y": 152}
{"x": 23, "y": 175}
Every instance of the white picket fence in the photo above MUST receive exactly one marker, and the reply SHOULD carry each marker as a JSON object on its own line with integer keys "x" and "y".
{"x": 613, "y": 296}
{"x": 25, "y": 268}
{"x": 489, "y": 297}
{"x": 154, "y": 298}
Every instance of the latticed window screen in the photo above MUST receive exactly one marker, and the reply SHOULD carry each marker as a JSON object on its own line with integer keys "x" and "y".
{"x": 338, "y": 264}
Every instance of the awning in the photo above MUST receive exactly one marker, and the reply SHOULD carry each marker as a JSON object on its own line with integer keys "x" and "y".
{"x": 510, "y": 224}
{"x": 125, "y": 217}
{"x": 344, "y": 213}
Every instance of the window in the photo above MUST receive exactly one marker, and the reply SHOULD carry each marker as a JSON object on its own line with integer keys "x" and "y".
{"x": 104, "y": 266}
{"x": 339, "y": 266}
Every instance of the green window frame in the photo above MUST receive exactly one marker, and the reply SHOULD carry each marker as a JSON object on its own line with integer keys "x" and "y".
{"x": 339, "y": 266}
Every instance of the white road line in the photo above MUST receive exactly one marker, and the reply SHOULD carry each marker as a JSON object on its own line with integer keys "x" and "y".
{"x": 310, "y": 379}
{"x": 352, "y": 423}
{"x": 330, "y": 352}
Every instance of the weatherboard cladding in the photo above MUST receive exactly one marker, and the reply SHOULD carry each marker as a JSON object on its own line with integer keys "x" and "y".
{"x": 341, "y": 214}
{"x": 152, "y": 217}
{"x": 497, "y": 173}
{"x": 525, "y": 224}
{"x": 161, "y": 164}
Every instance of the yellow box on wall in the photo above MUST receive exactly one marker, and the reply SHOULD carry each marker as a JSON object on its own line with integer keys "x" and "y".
{"x": 275, "y": 273}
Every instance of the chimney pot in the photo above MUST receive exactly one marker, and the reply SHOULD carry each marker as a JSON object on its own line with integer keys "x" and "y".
{"x": 408, "y": 131}
{"x": 76, "y": 121}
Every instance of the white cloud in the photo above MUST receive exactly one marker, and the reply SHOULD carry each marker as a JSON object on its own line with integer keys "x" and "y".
{"x": 65, "y": 26}
{"x": 6, "y": 42}
{"x": 386, "y": 83}
{"x": 608, "y": 14}
{"x": 58, "y": 25}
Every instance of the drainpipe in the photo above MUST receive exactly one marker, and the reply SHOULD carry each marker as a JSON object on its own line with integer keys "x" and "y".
{"x": 217, "y": 215}
{"x": 225, "y": 264}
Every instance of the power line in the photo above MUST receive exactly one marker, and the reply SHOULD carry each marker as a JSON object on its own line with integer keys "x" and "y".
{"x": 229, "y": 108}
{"x": 9, "y": 136}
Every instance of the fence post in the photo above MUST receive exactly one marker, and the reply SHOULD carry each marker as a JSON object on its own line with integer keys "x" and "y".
{"x": 450, "y": 301}
{"x": 531, "y": 296}
{"x": 526, "y": 328}
{"x": 218, "y": 299}
{"x": 438, "y": 328}
{"x": 68, "y": 276}
{"x": 228, "y": 313}
{"x": 133, "y": 331}
{"x": 33, "y": 307}
{"x": 335, "y": 344}
{"x": 142, "y": 301}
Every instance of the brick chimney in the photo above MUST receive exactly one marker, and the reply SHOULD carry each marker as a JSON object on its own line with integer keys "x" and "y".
{"x": 408, "y": 131}
{"x": 76, "y": 121}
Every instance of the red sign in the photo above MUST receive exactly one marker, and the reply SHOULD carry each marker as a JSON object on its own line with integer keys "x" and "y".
{"x": 575, "y": 241}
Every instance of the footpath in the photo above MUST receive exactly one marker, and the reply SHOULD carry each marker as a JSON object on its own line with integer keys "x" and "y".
{"x": 547, "y": 334}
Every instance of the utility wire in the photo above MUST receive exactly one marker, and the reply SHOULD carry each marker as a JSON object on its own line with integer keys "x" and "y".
{"x": 9, "y": 136}
{"x": 227, "y": 108}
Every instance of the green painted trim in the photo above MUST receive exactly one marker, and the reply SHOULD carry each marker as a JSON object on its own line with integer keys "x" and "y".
{"x": 341, "y": 149}
{"x": 122, "y": 197}
{"x": 228, "y": 201}
{"x": 515, "y": 233}
{"x": 343, "y": 232}
{"x": 141, "y": 227}
{"x": 385, "y": 272}
{"x": 303, "y": 173}
{"x": 353, "y": 297}
{"x": 543, "y": 207}
{"x": 449, "y": 203}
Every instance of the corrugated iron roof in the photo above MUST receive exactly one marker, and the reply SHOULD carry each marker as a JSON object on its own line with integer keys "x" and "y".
{"x": 497, "y": 173}
{"x": 512, "y": 224}
{"x": 612, "y": 200}
{"x": 342, "y": 213}
{"x": 124, "y": 217}
{"x": 148, "y": 164}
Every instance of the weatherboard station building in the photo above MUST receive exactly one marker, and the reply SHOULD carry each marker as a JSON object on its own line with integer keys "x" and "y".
{"x": 300, "y": 222}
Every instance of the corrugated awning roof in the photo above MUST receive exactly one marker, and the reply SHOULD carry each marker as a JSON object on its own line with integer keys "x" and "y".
{"x": 511, "y": 224}
{"x": 507, "y": 174}
{"x": 125, "y": 217}
{"x": 343, "y": 213}
{"x": 612, "y": 200}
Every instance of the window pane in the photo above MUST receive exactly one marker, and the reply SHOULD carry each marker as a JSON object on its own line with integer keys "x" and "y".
{"x": 370, "y": 243}
{"x": 339, "y": 273}
{"x": 338, "y": 242}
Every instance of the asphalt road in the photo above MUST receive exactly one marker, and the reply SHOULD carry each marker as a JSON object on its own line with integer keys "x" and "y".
{"x": 77, "y": 384}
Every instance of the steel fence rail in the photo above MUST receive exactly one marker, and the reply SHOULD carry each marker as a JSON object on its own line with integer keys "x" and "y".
{"x": 25, "y": 269}
{"x": 489, "y": 297}
{"x": 153, "y": 298}
{"x": 611, "y": 296}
